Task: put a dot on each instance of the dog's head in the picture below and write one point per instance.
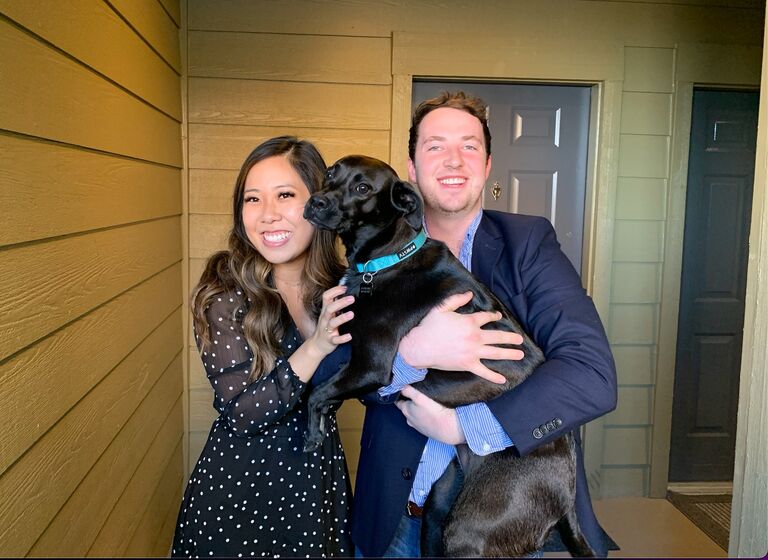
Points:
(363, 197)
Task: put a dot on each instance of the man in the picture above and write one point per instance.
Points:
(406, 447)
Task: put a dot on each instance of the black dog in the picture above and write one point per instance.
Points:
(397, 281)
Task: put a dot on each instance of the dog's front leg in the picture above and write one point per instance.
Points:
(354, 380)
(318, 405)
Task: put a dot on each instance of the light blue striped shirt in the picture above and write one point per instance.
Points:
(483, 432)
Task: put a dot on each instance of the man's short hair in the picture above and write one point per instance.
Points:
(456, 100)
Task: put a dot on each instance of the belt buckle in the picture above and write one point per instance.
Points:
(412, 509)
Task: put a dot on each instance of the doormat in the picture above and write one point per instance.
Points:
(709, 512)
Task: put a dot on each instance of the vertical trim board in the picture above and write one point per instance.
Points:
(670, 292)
(749, 513)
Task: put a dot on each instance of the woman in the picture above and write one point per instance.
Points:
(266, 313)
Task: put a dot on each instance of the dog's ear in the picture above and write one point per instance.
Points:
(408, 200)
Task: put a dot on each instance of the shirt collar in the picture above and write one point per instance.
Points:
(465, 252)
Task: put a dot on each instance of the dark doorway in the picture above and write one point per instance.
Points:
(713, 283)
(540, 138)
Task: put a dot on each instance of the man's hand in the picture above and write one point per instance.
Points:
(430, 418)
(455, 342)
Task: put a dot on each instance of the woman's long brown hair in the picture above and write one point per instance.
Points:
(242, 268)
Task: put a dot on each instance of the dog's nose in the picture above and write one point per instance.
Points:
(315, 206)
(318, 202)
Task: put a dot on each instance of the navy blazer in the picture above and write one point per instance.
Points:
(519, 259)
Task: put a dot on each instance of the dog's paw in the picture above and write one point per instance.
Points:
(311, 444)
(315, 433)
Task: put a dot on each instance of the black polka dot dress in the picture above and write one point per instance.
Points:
(254, 492)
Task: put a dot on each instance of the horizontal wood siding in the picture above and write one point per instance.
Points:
(150, 19)
(30, 394)
(218, 147)
(89, 270)
(315, 105)
(77, 190)
(91, 335)
(57, 463)
(351, 60)
(140, 70)
(104, 485)
(83, 109)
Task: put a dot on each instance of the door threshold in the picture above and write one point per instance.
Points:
(725, 487)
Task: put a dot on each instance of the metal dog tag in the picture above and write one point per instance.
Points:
(366, 288)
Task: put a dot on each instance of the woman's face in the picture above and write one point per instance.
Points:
(273, 211)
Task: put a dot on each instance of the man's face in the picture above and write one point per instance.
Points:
(450, 163)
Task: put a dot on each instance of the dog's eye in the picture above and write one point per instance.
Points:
(362, 188)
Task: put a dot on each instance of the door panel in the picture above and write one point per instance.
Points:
(718, 206)
(539, 152)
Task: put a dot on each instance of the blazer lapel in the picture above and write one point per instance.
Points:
(486, 252)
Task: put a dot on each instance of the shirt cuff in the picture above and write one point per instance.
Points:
(402, 374)
(483, 432)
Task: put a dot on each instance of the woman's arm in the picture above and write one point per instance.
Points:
(249, 408)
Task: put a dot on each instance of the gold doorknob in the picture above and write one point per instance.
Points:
(496, 191)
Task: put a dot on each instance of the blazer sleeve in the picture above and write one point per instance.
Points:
(577, 381)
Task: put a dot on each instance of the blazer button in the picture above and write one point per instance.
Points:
(406, 472)
(558, 422)
(537, 433)
(550, 426)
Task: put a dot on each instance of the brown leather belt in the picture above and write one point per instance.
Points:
(412, 510)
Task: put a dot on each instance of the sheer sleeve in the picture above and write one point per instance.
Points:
(248, 408)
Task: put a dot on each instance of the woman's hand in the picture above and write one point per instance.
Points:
(326, 336)
(456, 342)
(430, 417)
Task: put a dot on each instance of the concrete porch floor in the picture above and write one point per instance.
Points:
(651, 528)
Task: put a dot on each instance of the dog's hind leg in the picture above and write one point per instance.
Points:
(572, 537)
(437, 507)
(502, 511)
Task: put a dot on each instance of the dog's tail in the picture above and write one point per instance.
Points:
(573, 538)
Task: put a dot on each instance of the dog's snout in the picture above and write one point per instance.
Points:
(316, 208)
(318, 202)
